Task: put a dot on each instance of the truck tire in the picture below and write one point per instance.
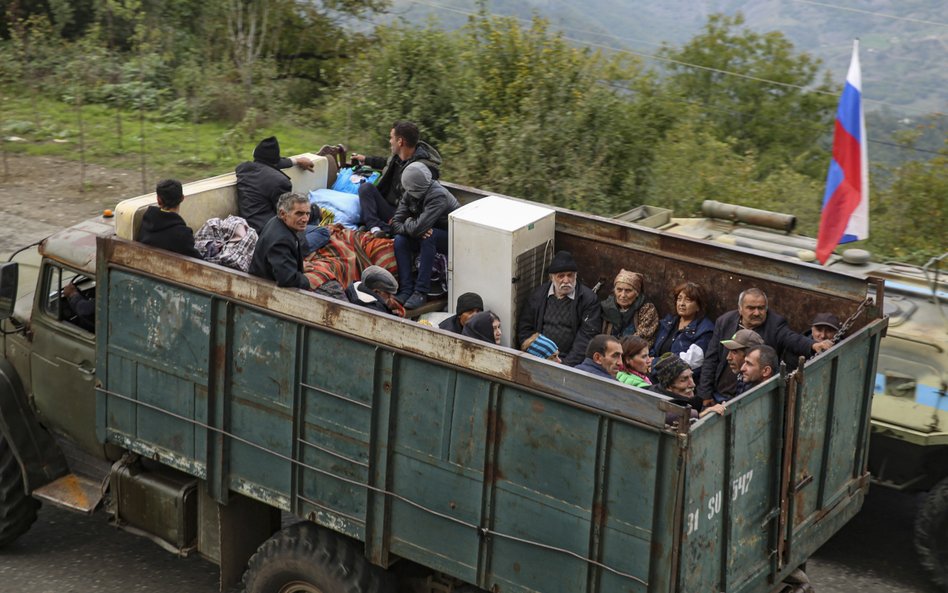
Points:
(17, 509)
(305, 558)
(931, 533)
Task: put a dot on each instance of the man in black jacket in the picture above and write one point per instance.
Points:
(279, 252)
(563, 310)
(752, 313)
(378, 202)
(163, 227)
(260, 182)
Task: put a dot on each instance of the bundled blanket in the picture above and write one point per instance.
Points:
(345, 256)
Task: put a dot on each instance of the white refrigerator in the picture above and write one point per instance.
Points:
(499, 248)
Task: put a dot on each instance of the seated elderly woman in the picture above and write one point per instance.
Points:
(626, 312)
(673, 378)
(484, 326)
(687, 331)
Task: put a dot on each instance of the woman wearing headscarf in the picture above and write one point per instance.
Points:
(484, 326)
(626, 312)
(687, 331)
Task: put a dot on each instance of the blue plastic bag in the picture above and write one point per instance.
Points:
(348, 180)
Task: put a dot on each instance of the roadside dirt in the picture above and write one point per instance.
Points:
(40, 195)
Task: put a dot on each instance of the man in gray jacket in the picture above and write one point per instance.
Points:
(420, 225)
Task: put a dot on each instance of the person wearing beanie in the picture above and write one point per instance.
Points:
(563, 310)
(420, 225)
(603, 356)
(626, 312)
(541, 346)
(260, 182)
(468, 304)
(674, 379)
(376, 290)
(379, 202)
(484, 326)
(163, 227)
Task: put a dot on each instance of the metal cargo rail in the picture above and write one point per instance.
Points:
(492, 466)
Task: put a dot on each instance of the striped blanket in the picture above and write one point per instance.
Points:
(346, 255)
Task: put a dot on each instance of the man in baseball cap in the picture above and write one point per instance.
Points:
(728, 387)
(824, 326)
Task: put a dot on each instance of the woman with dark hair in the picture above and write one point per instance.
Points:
(687, 332)
(636, 361)
(484, 326)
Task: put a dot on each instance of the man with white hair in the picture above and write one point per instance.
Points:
(420, 225)
(563, 310)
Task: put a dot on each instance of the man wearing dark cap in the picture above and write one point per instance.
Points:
(563, 310)
(824, 326)
(468, 305)
(260, 182)
(376, 290)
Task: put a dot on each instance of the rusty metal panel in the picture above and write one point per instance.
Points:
(796, 291)
(828, 470)
(730, 498)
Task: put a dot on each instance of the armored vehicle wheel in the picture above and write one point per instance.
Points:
(931, 533)
(305, 558)
(17, 509)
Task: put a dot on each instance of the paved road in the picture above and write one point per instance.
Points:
(69, 553)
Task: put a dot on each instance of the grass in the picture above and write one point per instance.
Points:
(182, 150)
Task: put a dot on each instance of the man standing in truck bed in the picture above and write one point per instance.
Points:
(378, 202)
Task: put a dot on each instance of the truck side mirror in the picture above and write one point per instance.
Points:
(9, 274)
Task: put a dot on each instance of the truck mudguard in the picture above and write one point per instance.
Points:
(36, 451)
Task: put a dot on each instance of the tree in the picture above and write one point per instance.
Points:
(908, 218)
(782, 121)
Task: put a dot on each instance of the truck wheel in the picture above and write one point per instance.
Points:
(931, 533)
(305, 558)
(17, 509)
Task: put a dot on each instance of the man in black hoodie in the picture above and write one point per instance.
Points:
(378, 202)
(260, 182)
(163, 227)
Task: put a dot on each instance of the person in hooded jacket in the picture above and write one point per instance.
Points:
(484, 326)
(163, 227)
(420, 225)
(261, 182)
(379, 202)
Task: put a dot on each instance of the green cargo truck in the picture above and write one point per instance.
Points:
(208, 407)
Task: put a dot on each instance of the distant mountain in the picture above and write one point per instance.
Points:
(904, 59)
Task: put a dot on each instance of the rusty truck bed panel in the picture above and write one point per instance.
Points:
(487, 464)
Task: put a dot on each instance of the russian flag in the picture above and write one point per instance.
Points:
(845, 215)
